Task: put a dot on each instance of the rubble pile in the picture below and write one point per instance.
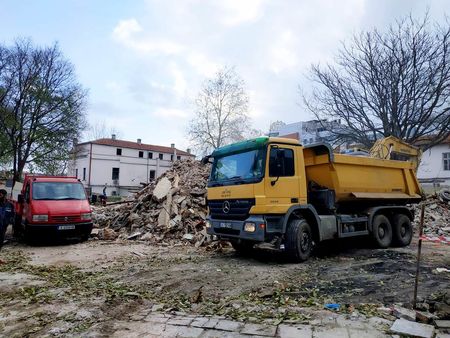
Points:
(171, 210)
(436, 218)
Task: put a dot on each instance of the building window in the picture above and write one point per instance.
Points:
(84, 174)
(152, 175)
(178, 157)
(114, 193)
(161, 156)
(171, 158)
(446, 160)
(281, 162)
(115, 173)
(118, 151)
(141, 154)
(76, 173)
(150, 155)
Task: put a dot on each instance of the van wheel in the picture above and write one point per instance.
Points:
(381, 231)
(242, 246)
(402, 230)
(299, 240)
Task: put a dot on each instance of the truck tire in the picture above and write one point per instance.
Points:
(299, 240)
(402, 231)
(381, 231)
(243, 247)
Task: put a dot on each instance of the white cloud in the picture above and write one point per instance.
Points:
(180, 83)
(240, 11)
(127, 33)
(202, 64)
(170, 113)
(283, 55)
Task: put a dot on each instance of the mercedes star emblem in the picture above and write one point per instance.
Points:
(66, 219)
(226, 207)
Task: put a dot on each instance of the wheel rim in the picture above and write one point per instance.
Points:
(304, 242)
(403, 230)
(382, 231)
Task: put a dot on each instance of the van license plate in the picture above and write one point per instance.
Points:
(66, 227)
(226, 225)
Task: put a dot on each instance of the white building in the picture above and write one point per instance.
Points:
(307, 132)
(122, 165)
(434, 167)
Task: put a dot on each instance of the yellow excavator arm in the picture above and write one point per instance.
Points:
(392, 148)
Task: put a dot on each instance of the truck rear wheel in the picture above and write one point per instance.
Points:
(242, 246)
(382, 231)
(402, 230)
(298, 240)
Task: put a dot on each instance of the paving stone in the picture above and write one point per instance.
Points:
(367, 333)
(337, 332)
(183, 321)
(190, 332)
(157, 318)
(348, 323)
(442, 324)
(228, 325)
(199, 321)
(221, 334)
(211, 323)
(406, 327)
(259, 329)
(289, 331)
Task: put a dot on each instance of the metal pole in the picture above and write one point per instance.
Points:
(419, 251)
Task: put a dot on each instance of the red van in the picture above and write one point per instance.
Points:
(53, 205)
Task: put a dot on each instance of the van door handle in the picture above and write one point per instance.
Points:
(294, 200)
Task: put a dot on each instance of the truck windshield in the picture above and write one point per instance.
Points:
(58, 191)
(245, 167)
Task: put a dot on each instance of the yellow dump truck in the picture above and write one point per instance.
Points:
(276, 191)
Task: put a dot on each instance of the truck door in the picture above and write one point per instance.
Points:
(282, 182)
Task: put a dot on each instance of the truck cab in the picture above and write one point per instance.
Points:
(274, 190)
(52, 205)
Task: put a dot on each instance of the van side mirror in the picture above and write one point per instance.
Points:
(20, 198)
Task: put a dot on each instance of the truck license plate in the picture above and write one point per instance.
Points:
(226, 225)
(66, 227)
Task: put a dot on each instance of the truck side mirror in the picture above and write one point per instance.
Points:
(20, 198)
(279, 155)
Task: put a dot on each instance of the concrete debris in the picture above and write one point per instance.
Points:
(437, 217)
(442, 324)
(401, 312)
(170, 211)
(408, 328)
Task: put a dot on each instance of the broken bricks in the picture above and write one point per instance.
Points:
(171, 210)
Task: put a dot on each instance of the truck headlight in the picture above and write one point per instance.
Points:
(208, 224)
(249, 227)
(86, 216)
(40, 218)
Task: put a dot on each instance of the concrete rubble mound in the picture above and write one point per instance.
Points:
(437, 217)
(169, 211)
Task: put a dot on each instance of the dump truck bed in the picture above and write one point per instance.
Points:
(357, 177)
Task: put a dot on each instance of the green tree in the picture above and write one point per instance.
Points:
(42, 105)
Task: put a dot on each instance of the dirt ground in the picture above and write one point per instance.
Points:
(67, 289)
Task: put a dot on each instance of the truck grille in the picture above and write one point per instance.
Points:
(65, 219)
(237, 208)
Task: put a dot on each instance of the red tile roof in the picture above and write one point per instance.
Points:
(135, 145)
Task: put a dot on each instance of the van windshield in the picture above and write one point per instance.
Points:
(244, 167)
(58, 191)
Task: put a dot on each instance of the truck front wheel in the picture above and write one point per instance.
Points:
(402, 230)
(381, 231)
(298, 240)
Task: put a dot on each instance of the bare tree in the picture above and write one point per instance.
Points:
(41, 104)
(221, 112)
(100, 130)
(388, 83)
(276, 125)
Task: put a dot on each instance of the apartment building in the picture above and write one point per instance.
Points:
(121, 165)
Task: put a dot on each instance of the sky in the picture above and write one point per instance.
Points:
(144, 61)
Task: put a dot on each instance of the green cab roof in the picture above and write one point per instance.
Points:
(238, 147)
